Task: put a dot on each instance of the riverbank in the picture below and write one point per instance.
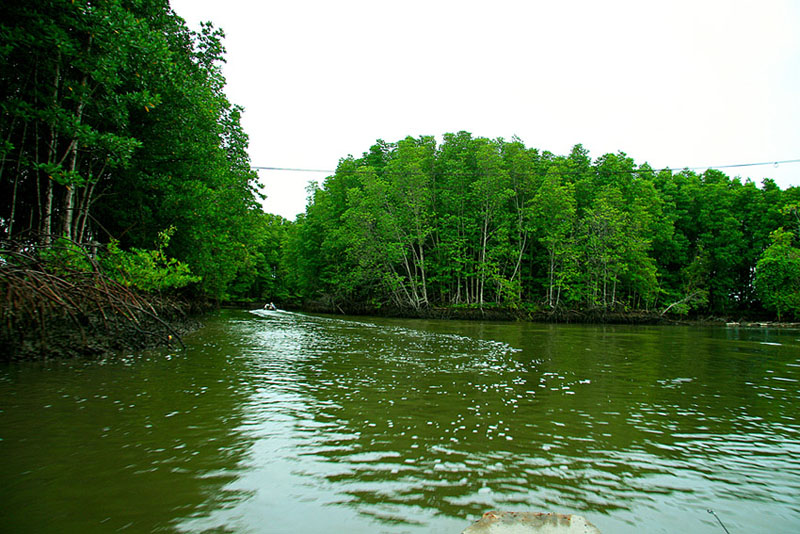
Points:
(538, 316)
(162, 322)
(56, 311)
(87, 326)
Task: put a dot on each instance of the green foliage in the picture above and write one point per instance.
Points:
(115, 125)
(477, 222)
(778, 275)
(555, 220)
(65, 255)
(148, 270)
(263, 272)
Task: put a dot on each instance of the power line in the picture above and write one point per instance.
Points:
(289, 169)
(677, 169)
(742, 165)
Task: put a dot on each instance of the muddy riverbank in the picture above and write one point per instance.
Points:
(537, 316)
(48, 311)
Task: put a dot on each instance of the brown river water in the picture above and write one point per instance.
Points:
(283, 422)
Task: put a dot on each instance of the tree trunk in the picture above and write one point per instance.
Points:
(517, 267)
(66, 227)
(482, 264)
(47, 217)
(422, 272)
(550, 281)
(83, 213)
(47, 223)
(614, 292)
(16, 181)
(69, 198)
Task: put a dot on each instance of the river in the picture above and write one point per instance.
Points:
(283, 422)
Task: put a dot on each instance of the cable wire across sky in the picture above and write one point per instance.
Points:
(731, 166)
(745, 164)
(288, 169)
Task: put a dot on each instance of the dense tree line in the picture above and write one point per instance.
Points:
(488, 222)
(116, 135)
(115, 129)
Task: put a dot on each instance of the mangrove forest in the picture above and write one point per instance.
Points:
(476, 222)
(121, 155)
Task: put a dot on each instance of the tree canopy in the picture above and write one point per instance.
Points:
(489, 222)
(115, 126)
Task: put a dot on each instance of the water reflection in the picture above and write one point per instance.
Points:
(404, 425)
(128, 443)
(281, 422)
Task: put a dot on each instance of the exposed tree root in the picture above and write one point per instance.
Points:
(48, 309)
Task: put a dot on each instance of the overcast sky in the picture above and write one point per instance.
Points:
(675, 84)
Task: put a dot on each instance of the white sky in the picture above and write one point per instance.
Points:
(672, 83)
